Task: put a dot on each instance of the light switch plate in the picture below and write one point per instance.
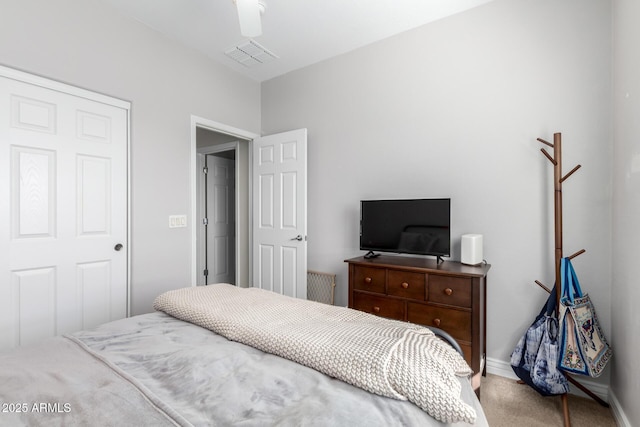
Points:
(177, 221)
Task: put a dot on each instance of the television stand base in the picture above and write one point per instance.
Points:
(439, 259)
(370, 255)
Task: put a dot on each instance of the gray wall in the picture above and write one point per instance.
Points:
(453, 109)
(625, 379)
(87, 44)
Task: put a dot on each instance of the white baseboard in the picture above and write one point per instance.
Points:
(500, 368)
(503, 369)
(618, 413)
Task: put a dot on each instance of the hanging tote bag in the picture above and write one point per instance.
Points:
(535, 358)
(583, 347)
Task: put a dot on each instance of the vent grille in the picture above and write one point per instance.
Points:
(321, 286)
(250, 54)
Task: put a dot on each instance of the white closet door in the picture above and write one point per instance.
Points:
(63, 218)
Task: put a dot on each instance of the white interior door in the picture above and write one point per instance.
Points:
(221, 213)
(63, 212)
(280, 213)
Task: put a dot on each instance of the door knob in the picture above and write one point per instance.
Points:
(118, 247)
(298, 238)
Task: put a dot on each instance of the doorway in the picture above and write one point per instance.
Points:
(256, 205)
(224, 258)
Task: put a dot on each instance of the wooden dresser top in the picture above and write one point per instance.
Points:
(422, 264)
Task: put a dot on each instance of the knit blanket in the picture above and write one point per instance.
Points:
(385, 357)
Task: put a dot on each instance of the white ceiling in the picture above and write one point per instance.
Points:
(299, 32)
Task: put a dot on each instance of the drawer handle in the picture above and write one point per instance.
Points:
(436, 322)
(448, 291)
(405, 285)
(376, 309)
(368, 280)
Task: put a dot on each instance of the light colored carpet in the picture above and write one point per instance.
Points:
(507, 404)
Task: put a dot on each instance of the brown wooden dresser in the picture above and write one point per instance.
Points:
(449, 295)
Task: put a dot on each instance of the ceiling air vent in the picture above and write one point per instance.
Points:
(250, 54)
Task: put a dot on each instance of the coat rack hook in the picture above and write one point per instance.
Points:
(580, 252)
(543, 286)
(548, 156)
(545, 142)
(571, 172)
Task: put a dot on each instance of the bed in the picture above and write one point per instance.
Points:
(213, 356)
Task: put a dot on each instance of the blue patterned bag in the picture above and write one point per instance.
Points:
(583, 347)
(535, 358)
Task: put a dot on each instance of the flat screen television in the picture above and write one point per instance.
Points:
(411, 226)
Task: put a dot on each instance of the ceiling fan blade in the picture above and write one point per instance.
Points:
(249, 17)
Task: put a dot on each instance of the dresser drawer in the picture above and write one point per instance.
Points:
(450, 290)
(456, 322)
(406, 285)
(379, 305)
(369, 279)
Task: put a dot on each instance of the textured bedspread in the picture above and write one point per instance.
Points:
(155, 370)
(389, 358)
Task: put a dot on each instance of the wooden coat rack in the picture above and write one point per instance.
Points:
(558, 179)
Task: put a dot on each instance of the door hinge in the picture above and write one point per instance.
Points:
(205, 221)
(205, 170)
(206, 273)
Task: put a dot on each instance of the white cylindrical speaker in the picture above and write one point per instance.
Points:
(471, 249)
